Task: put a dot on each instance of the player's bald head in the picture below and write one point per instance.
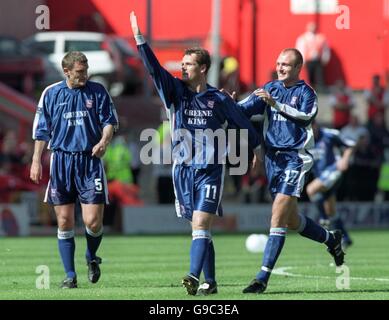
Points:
(298, 57)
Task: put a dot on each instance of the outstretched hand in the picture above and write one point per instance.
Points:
(265, 96)
(134, 24)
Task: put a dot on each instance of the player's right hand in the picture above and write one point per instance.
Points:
(265, 96)
(36, 172)
(134, 24)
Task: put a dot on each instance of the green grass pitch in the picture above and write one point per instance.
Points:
(151, 267)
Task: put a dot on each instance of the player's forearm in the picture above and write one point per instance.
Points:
(347, 154)
(163, 80)
(295, 114)
(107, 134)
(38, 150)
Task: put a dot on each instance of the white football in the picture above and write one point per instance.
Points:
(256, 243)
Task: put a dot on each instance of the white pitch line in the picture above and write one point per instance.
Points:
(282, 272)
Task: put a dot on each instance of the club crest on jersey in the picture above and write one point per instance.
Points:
(211, 104)
(293, 101)
(89, 103)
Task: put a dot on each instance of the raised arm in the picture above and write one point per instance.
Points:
(164, 82)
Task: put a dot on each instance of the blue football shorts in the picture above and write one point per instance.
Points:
(198, 190)
(286, 171)
(76, 175)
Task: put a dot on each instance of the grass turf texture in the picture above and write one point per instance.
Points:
(151, 267)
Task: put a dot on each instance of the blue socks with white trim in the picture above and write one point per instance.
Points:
(209, 264)
(93, 241)
(67, 246)
(273, 248)
(311, 230)
(198, 251)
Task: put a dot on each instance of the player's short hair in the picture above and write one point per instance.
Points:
(72, 57)
(203, 56)
(297, 54)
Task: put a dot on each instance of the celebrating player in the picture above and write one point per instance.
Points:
(77, 118)
(289, 106)
(194, 107)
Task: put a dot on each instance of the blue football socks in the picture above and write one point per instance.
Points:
(311, 230)
(273, 248)
(198, 251)
(93, 241)
(67, 246)
(337, 223)
(209, 264)
(320, 208)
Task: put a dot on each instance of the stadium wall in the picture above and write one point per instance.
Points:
(248, 218)
(254, 31)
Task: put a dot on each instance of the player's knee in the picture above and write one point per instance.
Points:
(65, 223)
(201, 221)
(93, 224)
(295, 221)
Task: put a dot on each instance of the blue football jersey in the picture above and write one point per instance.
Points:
(327, 145)
(196, 118)
(288, 124)
(72, 120)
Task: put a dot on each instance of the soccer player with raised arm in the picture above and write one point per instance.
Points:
(289, 106)
(328, 170)
(194, 108)
(77, 118)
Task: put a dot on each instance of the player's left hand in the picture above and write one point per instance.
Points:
(265, 96)
(99, 150)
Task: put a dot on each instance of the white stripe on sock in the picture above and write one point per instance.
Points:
(62, 235)
(266, 269)
(92, 234)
